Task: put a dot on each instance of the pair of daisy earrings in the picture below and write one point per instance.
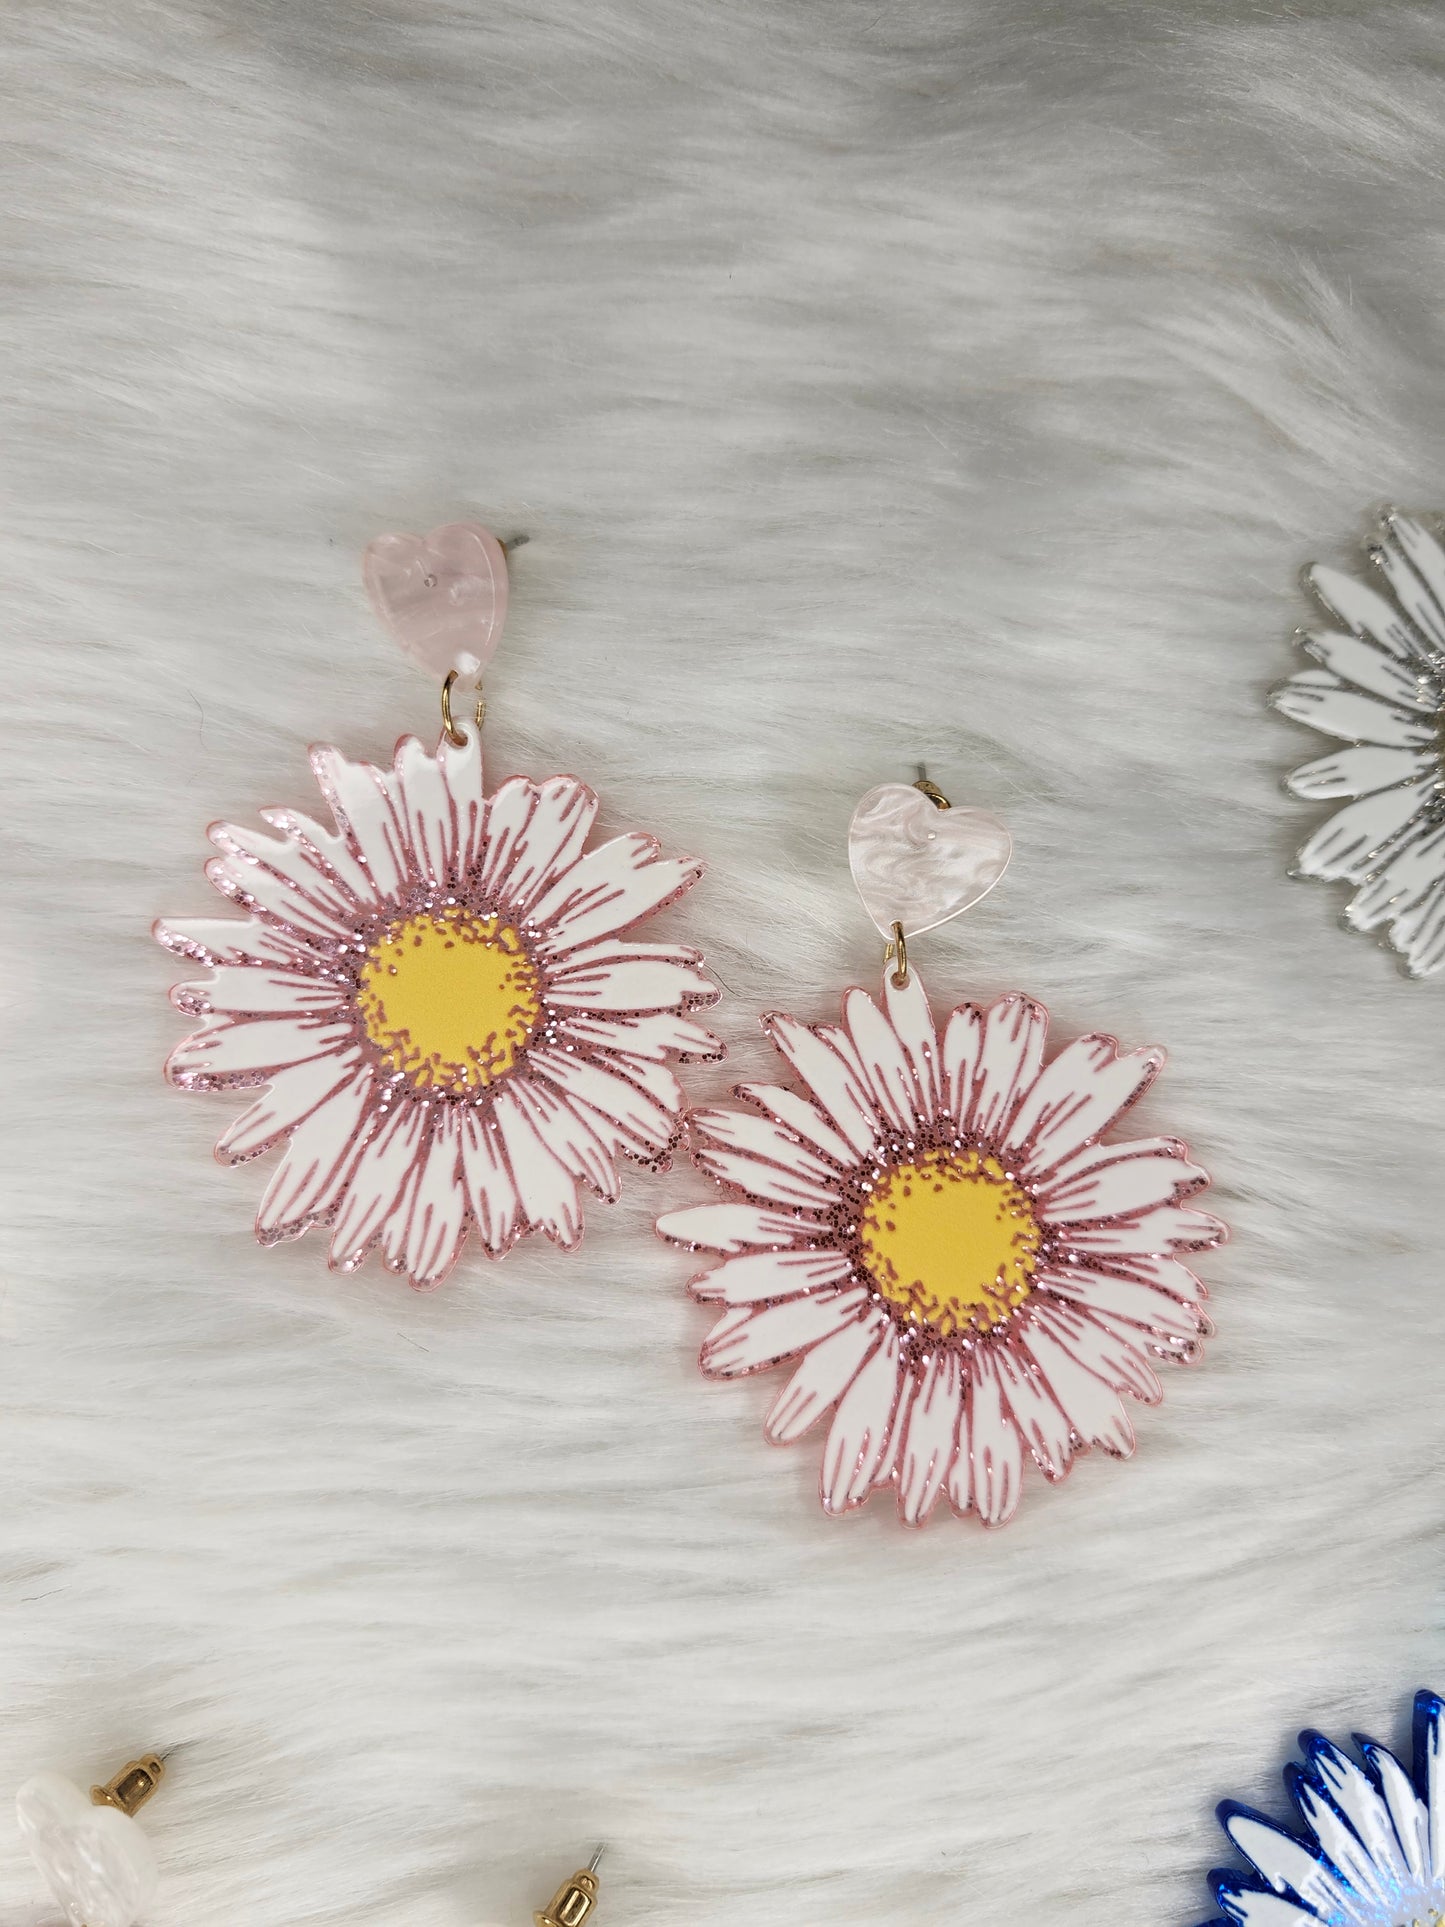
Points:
(101, 1868)
(451, 1029)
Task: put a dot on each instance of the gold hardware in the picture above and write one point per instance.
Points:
(899, 949)
(132, 1786)
(574, 1899)
(454, 735)
(934, 794)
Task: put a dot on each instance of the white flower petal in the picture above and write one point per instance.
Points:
(291, 1095)
(908, 1012)
(362, 805)
(1350, 843)
(1286, 1864)
(214, 941)
(727, 1227)
(552, 843)
(962, 1051)
(1167, 1319)
(932, 1441)
(995, 1450)
(491, 1193)
(1076, 1099)
(1157, 1233)
(1364, 610)
(629, 977)
(1041, 1424)
(548, 1193)
(823, 1375)
(1359, 770)
(644, 1123)
(1366, 666)
(1106, 1353)
(376, 1181)
(751, 1338)
(839, 1089)
(581, 1149)
(1247, 1907)
(880, 1055)
(424, 804)
(656, 1038)
(246, 990)
(509, 811)
(803, 1118)
(609, 890)
(1419, 934)
(423, 1234)
(1430, 1745)
(461, 767)
(229, 1053)
(1011, 1057)
(1407, 1813)
(855, 1458)
(331, 855)
(1411, 563)
(1091, 1410)
(272, 876)
(311, 1176)
(1358, 719)
(1350, 1820)
(761, 1138)
(761, 1276)
(1408, 874)
(1114, 1180)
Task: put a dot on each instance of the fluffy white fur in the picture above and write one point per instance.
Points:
(957, 381)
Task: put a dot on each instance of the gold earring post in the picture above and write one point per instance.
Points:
(575, 1898)
(132, 1786)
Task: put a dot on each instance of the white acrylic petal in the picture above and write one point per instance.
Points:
(239, 990)
(425, 806)
(754, 1338)
(996, 1457)
(1358, 719)
(656, 1038)
(761, 1276)
(331, 855)
(461, 767)
(1364, 665)
(1011, 1058)
(362, 805)
(1116, 1180)
(1158, 1312)
(1425, 604)
(1351, 842)
(1108, 1354)
(274, 877)
(291, 1095)
(1430, 1742)
(214, 941)
(880, 1055)
(1407, 1812)
(645, 1123)
(1076, 1099)
(1091, 1410)
(1419, 934)
(547, 1192)
(962, 1054)
(227, 1053)
(609, 890)
(423, 1234)
(1160, 1232)
(1351, 1821)
(856, 1455)
(1041, 1424)
(764, 1180)
(803, 1118)
(932, 1442)
(581, 1142)
(378, 1179)
(552, 842)
(759, 1137)
(309, 1180)
(491, 1193)
(823, 1375)
(908, 1012)
(628, 977)
(839, 1089)
(727, 1227)
(1407, 875)
(1358, 770)
(1287, 1865)
(1364, 610)
(509, 811)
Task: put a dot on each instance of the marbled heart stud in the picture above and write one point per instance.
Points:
(918, 865)
(443, 596)
(96, 1861)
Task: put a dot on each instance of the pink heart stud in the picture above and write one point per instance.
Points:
(918, 865)
(443, 596)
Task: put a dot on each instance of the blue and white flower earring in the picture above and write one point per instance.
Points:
(1368, 1851)
(1379, 687)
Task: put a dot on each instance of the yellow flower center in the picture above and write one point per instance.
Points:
(450, 998)
(951, 1240)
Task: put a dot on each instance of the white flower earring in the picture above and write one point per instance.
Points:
(97, 1862)
(931, 1233)
(1380, 689)
(439, 1006)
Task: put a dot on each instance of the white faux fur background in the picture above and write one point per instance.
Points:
(876, 383)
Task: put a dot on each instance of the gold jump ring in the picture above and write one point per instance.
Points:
(899, 949)
(455, 736)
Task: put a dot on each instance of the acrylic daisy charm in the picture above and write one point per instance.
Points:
(439, 1004)
(1380, 689)
(1368, 1849)
(933, 1228)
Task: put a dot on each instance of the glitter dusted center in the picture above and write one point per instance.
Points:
(450, 998)
(951, 1240)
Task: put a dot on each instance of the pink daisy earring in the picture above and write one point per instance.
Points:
(932, 1234)
(438, 1005)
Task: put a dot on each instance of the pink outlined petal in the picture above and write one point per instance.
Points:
(932, 1441)
(308, 1183)
(233, 1054)
(840, 1091)
(856, 1455)
(291, 1095)
(800, 1116)
(1090, 1408)
(823, 1375)
(1080, 1095)
(1040, 1422)
(996, 1457)
(880, 1055)
(609, 890)
(749, 1338)
(760, 1138)
(759, 1277)
(1117, 1180)
(906, 1007)
(547, 1190)
(732, 1227)
(241, 990)
(1172, 1321)
(491, 1193)
(375, 1183)
(1010, 1058)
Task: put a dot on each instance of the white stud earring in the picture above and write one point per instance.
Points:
(97, 1862)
